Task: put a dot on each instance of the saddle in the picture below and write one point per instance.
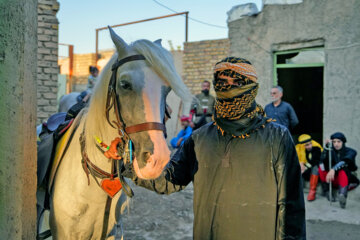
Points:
(53, 139)
(49, 135)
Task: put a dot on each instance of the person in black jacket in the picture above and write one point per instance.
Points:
(244, 167)
(342, 164)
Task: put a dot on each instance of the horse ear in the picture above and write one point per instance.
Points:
(120, 44)
(158, 42)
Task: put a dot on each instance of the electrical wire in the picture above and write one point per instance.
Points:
(250, 40)
(343, 47)
(195, 20)
(212, 25)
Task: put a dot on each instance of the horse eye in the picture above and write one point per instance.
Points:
(125, 85)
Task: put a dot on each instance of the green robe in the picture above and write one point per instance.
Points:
(243, 188)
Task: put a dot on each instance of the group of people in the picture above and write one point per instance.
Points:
(314, 159)
(334, 165)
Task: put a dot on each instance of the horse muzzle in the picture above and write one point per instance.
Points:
(150, 162)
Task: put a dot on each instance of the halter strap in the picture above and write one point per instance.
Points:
(127, 59)
(145, 127)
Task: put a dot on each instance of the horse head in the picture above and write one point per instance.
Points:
(141, 87)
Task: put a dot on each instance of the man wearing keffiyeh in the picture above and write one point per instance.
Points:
(235, 84)
(244, 167)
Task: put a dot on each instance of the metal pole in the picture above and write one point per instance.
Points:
(71, 65)
(140, 21)
(329, 148)
(96, 46)
(144, 20)
(186, 26)
(330, 183)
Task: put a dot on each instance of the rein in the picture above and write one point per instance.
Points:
(95, 171)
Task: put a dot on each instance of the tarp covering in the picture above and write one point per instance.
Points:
(239, 11)
(270, 2)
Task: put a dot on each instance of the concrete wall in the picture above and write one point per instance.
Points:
(48, 70)
(334, 24)
(18, 48)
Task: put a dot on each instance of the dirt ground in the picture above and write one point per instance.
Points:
(159, 217)
(162, 217)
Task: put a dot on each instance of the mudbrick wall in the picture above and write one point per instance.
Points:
(47, 71)
(199, 59)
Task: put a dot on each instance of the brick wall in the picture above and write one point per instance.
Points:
(47, 73)
(199, 59)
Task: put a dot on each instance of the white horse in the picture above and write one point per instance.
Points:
(141, 85)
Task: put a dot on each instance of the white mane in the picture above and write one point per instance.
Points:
(159, 59)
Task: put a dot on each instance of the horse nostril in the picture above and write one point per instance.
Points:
(146, 156)
(143, 158)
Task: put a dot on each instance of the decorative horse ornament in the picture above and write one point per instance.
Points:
(127, 108)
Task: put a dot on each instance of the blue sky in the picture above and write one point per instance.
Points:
(79, 19)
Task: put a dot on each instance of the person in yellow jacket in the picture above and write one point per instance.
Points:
(309, 153)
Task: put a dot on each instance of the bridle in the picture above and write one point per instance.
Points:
(126, 143)
(124, 131)
(113, 100)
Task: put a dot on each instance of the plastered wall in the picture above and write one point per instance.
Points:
(18, 48)
(333, 24)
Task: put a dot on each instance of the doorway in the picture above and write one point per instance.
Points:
(300, 73)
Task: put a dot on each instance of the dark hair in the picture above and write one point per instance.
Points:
(93, 69)
(206, 81)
